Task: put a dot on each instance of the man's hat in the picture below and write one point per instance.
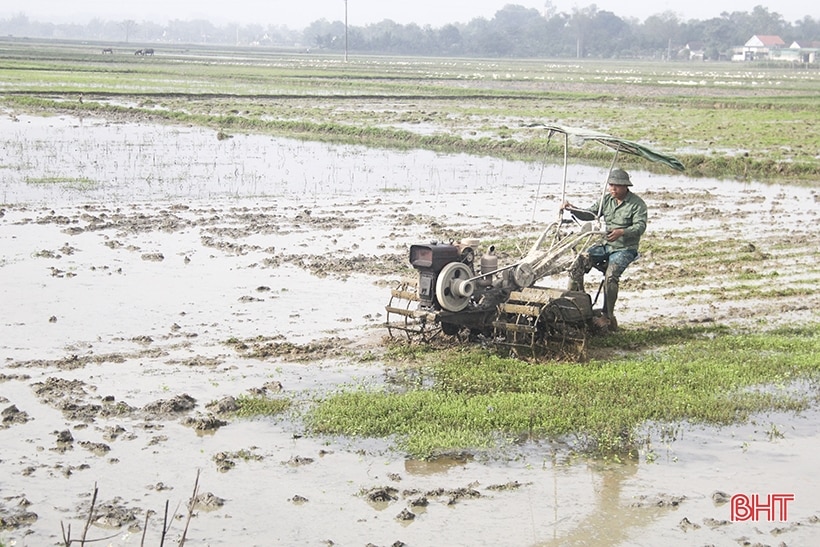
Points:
(619, 177)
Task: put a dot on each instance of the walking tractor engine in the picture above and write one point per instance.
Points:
(445, 275)
(496, 305)
(448, 294)
(504, 306)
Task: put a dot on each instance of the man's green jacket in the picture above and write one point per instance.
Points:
(630, 215)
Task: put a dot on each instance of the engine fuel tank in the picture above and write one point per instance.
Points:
(434, 256)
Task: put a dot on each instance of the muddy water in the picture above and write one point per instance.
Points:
(133, 253)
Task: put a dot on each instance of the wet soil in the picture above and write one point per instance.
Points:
(146, 287)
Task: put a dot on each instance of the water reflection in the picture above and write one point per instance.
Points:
(607, 522)
(433, 466)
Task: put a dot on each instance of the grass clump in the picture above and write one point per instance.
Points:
(477, 399)
(70, 182)
(260, 406)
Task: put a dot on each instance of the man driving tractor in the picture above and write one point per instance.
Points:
(625, 216)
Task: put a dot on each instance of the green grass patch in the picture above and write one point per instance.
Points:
(477, 399)
(260, 406)
(71, 182)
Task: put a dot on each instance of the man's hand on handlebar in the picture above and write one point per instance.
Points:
(614, 234)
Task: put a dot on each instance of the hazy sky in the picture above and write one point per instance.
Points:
(299, 13)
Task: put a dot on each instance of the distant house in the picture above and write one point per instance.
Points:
(759, 47)
(694, 51)
(806, 50)
(804, 44)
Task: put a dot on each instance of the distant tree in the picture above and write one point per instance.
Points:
(766, 22)
(383, 36)
(558, 39)
(743, 25)
(129, 25)
(581, 25)
(325, 35)
(476, 36)
(550, 10)
(607, 35)
(151, 32)
(718, 36)
(450, 40)
(659, 30)
(520, 29)
(514, 31)
(807, 29)
(411, 38)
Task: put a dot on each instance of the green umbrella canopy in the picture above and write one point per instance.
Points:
(580, 136)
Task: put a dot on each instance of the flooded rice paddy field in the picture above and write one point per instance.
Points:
(134, 253)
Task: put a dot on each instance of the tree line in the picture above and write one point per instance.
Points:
(514, 31)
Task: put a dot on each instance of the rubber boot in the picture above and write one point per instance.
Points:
(610, 297)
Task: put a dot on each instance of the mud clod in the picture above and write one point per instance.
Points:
(406, 515)
(296, 461)
(100, 449)
(17, 520)
(225, 405)
(686, 525)
(720, 498)
(178, 404)
(114, 514)
(208, 502)
(64, 436)
(12, 415)
(204, 423)
(382, 495)
(512, 485)
(660, 500)
(419, 502)
(453, 495)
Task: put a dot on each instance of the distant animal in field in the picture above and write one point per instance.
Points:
(139, 52)
(148, 51)
(108, 50)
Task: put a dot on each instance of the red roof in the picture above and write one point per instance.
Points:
(770, 40)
